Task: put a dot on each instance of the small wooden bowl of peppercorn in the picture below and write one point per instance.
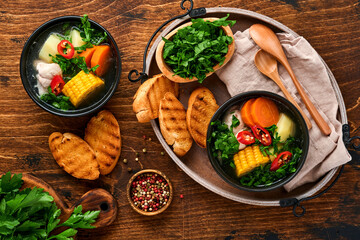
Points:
(171, 54)
(149, 192)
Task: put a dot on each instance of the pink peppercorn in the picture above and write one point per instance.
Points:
(150, 192)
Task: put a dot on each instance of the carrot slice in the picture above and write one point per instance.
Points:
(102, 57)
(246, 114)
(264, 112)
(87, 54)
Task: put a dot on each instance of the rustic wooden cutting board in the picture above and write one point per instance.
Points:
(95, 199)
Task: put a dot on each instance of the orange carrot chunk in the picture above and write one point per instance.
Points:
(102, 57)
(264, 112)
(246, 114)
(87, 54)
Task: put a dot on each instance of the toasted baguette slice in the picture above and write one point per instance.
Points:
(74, 155)
(172, 120)
(147, 98)
(201, 107)
(102, 133)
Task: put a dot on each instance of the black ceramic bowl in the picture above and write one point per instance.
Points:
(28, 71)
(284, 105)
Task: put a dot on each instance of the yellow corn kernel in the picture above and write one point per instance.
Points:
(248, 159)
(80, 86)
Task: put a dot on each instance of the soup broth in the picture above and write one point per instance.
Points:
(33, 57)
(229, 169)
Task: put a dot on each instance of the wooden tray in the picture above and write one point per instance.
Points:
(195, 163)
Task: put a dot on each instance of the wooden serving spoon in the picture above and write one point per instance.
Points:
(267, 64)
(268, 41)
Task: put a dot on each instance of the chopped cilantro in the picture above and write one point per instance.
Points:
(61, 102)
(91, 35)
(262, 176)
(225, 144)
(234, 122)
(71, 67)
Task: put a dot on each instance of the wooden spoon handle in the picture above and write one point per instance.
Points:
(324, 127)
(291, 99)
(98, 199)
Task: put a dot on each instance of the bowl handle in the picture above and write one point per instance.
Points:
(142, 76)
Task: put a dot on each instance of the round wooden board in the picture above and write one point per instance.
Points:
(195, 163)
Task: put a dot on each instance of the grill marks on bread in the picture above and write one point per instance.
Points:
(201, 107)
(102, 133)
(98, 154)
(148, 96)
(74, 155)
(172, 120)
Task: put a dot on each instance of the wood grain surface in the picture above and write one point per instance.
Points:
(332, 27)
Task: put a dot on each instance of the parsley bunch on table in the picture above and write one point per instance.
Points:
(31, 214)
(194, 50)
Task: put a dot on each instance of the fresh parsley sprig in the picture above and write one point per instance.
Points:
(89, 34)
(33, 214)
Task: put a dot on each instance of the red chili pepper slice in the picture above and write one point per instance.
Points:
(280, 160)
(262, 135)
(57, 84)
(245, 137)
(66, 49)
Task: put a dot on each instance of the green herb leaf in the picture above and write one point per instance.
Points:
(32, 213)
(10, 184)
(91, 35)
(234, 122)
(223, 141)
(194, 50)
(60, 102)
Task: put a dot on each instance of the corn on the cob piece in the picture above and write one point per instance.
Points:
(80, 86)
(248, 159)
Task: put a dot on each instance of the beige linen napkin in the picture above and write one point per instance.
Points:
(241, 75)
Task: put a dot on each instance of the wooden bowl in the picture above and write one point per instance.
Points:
(128, 188)
(168, 72)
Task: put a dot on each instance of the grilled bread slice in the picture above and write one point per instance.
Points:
(172, 120)
(147, 98)
(201, 107)
(102, 133)
(74, 155)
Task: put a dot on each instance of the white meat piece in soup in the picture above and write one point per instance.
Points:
(45, 82)
(234, 111)
(48, 70)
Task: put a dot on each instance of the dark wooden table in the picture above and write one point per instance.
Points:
(332, 27)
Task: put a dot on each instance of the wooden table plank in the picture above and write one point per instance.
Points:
(332, 27)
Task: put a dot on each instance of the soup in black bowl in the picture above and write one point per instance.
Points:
(70, 66)
(257, 141)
